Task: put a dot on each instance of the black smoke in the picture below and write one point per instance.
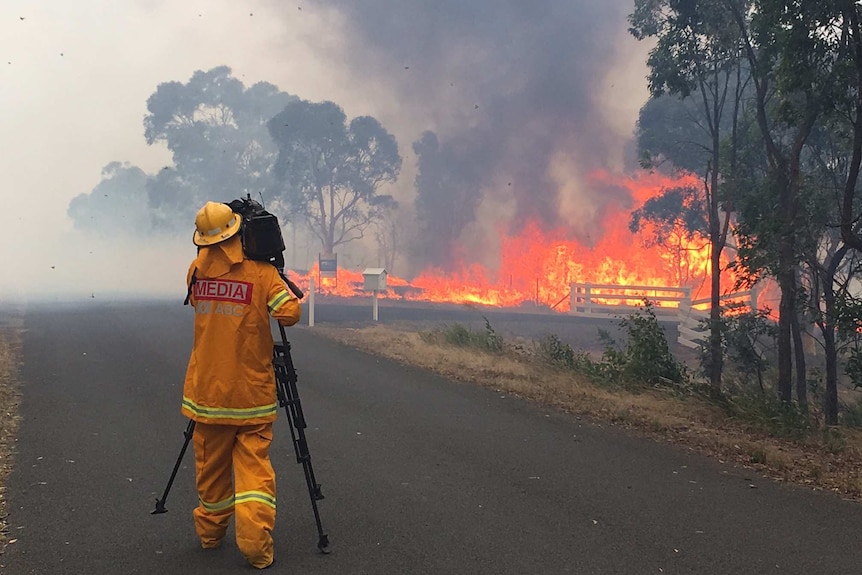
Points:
(507, 84)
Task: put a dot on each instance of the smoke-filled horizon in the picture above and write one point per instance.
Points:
(519, 97)
(515, 106)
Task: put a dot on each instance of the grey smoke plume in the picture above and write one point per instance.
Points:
(512, 89)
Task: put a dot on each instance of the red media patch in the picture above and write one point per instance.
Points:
(223, 290)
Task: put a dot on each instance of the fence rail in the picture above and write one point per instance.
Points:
(608, 300)
(671, 304)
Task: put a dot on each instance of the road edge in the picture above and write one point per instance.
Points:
(11, 329)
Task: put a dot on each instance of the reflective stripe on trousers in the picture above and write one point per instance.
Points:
(229, 412)
(224, 454)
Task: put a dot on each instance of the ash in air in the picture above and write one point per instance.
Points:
(513, 93)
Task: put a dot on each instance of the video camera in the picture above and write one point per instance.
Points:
(261, 237)
(260, 232)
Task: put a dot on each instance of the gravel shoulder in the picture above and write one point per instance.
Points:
(10, 362)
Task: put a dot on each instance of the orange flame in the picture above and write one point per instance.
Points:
(539, 266)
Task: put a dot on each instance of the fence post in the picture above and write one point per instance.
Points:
(685, 301)
(683, 313)
(311, 301)
(588, 302)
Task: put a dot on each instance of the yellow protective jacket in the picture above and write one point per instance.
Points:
(230, 378)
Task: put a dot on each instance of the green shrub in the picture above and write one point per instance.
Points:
(747, 343)
(647, 356)
(645, 360)
(767, 412)
(852, 416)
(853, 367)
(557, 353)
(834, 441)
(459, 336)
(493, 341)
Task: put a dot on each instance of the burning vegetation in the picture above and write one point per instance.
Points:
(538, 266)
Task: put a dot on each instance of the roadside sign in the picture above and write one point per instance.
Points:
(328, 265)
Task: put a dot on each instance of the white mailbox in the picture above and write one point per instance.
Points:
(375, 279)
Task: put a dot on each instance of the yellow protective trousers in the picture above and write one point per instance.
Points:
(234, 476)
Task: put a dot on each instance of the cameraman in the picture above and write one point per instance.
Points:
(230, 388)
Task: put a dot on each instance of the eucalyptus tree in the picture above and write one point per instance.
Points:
(697, 57)
(216, 130)
(330, 172)
(804, 66)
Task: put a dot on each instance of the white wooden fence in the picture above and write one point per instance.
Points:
(610, 301)
(670, 304)
(692, 329)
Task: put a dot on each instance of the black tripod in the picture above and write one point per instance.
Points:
(288, 397)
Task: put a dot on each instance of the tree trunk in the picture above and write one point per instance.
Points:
(787, 308)
(830, 402)
(717, 245)
(799, 355)
(848, 214)
(715, 355)
(329, 237)
(827, 327)
(785, 172)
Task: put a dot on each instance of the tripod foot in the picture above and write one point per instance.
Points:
(323, 544)
(160, 508)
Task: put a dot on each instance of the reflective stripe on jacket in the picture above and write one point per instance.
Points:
(230, 378)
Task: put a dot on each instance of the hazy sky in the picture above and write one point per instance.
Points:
(75, 76)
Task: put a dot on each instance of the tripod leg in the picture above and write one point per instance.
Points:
(288, 397)
(160, 503)
(303, 456)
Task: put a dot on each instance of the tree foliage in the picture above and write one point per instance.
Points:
(215, 128)
(675, 222)
(792, 181)
(696, 58)
(329, 172)
(679, 208)
(228, 140)
(116, 205)
(671, 135)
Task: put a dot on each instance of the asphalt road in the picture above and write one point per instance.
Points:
(421, 474)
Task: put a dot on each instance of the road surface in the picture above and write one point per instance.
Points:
(421, 474)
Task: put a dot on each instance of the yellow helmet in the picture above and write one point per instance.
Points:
(215, 223)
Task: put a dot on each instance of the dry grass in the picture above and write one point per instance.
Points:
(10, 357)
(831, 462)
